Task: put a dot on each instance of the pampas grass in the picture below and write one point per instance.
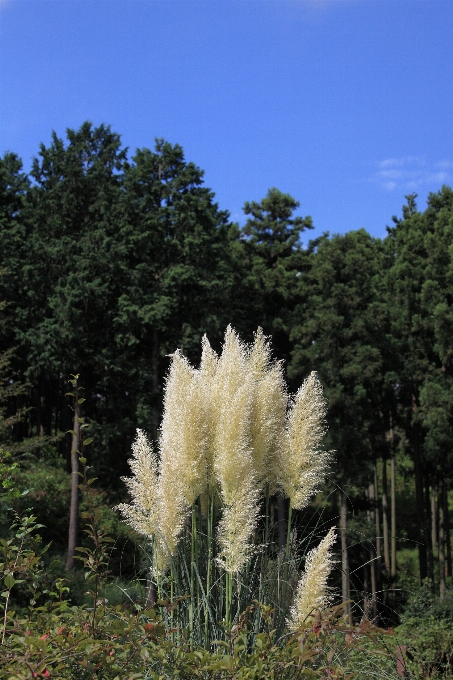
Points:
(312, 591)
(231, 436)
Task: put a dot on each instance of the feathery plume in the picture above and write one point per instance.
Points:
(184, 432)
(235, 528)
(303, 463)
(206, 377)
(141, 513)
(225, 431)
(268, 409)
(233, 462)
(183, 448)
(312, 591)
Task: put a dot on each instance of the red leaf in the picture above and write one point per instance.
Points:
(400, 664)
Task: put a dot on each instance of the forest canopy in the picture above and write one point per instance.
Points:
(109, 263)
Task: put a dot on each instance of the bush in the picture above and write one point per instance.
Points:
(53, 639)
(426, 634)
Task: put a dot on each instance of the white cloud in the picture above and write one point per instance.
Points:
(409, 173)
(446, 165)
(400, 162)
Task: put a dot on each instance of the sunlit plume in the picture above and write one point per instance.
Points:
(312, 591)
(303, 463)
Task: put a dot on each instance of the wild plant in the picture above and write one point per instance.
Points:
(231, 438)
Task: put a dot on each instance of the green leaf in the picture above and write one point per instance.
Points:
(80, 401)
(9, 581)
(83, 460)
(87, 441)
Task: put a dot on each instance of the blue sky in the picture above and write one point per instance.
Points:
(345, 104)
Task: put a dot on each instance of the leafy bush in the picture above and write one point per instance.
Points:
(426, 634)
(52, 638)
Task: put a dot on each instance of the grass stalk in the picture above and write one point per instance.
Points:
(210, 523)
(287, 554)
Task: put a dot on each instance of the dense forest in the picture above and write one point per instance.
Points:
(110, 262)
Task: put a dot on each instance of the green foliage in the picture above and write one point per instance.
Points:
(107, 276)
(8, 491)
(342, 330)
(108, 264)
(425, 636)
(425, 604)
(52, 638)
(269, 265)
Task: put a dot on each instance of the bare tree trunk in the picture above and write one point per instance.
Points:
(74, 508)
(385, 516)
(433, 516)
(345, 587)
(373, 561)
(393, 520)
(378, 534)
(366, 584)
(441, 538)
(447, 529)
(428, 529)
(421, 524)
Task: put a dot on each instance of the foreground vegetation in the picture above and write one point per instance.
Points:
(107, 266)
(46, 634)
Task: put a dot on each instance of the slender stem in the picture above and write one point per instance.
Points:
(172, 580)
(287, 552)
(228, 592)
(192, 574)
(266, 531)
(156, 570)
(288, 532)
(208, 571)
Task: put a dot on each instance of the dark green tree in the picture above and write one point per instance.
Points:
(420, 283)
(175, 270)
(342, 332)
(270, 259)
(121, 263)
(420, 295)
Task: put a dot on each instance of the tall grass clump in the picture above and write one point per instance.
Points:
(231, 438)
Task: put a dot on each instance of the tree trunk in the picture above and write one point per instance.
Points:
(434, 516)
(422, 547)
(74, 509)
(366, 584)
(385, 517)
(378, 534)
(441, 539)
(373, 561)
(447, 529)
(393, 520)
(345, 587)
(428, 529)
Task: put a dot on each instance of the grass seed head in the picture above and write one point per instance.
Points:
(312, 591)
